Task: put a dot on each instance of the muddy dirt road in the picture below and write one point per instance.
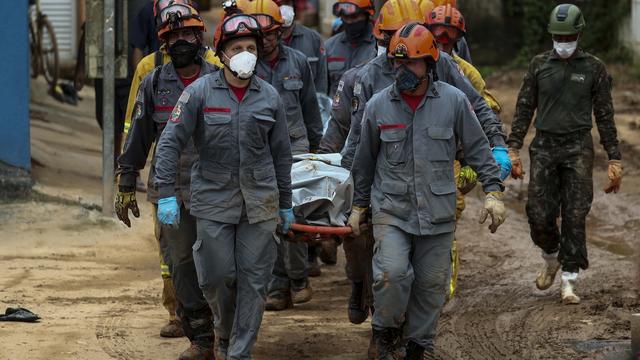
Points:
(96, 284)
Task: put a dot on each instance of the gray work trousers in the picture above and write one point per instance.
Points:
(291, 264)
(234, 264)
(410, 281)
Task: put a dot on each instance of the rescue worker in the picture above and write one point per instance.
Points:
(241, 182)
(460, 47)
(173, 328)
(355, 45)
(379, 73)
(563, 86)
(181, 31)
(289, 72)
(305, 40)
(404, 168)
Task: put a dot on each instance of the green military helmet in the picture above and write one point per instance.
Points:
(566, 19)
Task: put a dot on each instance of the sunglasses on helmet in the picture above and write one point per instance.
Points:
(346, 9)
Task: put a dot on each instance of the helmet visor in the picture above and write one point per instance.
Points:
(266, 21)
(345, 9)
(240, 23)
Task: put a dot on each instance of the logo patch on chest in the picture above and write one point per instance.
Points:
(578, 77)
(164, 91)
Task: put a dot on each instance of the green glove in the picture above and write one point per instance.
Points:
(125, 200)
(467, 179)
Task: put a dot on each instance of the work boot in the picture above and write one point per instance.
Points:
(329, 252)
(279, 301)
(197, 352)
(414, 351)
(173, 329)
(357, 314)
(301, 291)
(386, 342)
(568, 282)
(314, 267)
(548, 273)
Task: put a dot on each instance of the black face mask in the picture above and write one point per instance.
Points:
(356, 30)
(406, 80)
(183, 53)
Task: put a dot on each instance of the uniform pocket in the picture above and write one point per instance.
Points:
(441, 146)
(215, 179)
(393, 145)
(394, 200)
(260, 128)
(292, 84)
(443, 203)
(218, 130)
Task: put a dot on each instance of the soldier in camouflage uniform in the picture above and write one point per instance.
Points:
(564, 85)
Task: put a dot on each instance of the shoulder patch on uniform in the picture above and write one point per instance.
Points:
(336, 99)
(340, 86)
(137, 112)
(140, 96)
(357, 88)
(184, 98)
(176, 114)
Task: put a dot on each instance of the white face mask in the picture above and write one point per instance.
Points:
(565, 50)
(381, 50)
(288, 14)
(243, 64)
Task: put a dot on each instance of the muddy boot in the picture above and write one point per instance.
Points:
(357, 314)
(173, 329)
(198, 326)
(301, 291)
(279, 301)
(568, 282)
(386, 342)
(329, 252)
(414, 351)
(197, 352)
(548, 273)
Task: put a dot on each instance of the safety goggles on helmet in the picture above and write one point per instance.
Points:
(159, 5)
(444, 31)
(346, 9)
(176, 13)
(240, 23)
(266, 21)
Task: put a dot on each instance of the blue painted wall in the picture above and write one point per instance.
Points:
(14, 86)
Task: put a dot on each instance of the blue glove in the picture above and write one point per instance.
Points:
(501, 154)
(168, 211)
(286, 219)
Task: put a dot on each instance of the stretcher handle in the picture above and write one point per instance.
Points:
(322, 230)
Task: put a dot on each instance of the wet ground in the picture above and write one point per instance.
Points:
(96, 284)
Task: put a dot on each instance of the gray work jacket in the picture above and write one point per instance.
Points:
(404, 164)
(243, 147)
(342, 55)
(309, 42)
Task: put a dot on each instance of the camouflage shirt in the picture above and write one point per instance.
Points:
(565, 93)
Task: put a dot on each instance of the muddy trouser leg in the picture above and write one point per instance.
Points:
(296, 255)
(168, 292)
(543, 204)
(392, 276)
(192, 306)
(431, 262)
(358, 251)
(240, 257)
(279, 279)
(576, 172)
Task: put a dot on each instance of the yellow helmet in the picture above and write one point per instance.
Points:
(426, 7)
(266, 11)
(453, 3)
(394, 14)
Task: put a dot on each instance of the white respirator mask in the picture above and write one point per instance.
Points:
(242, 65)
(565, 49)
(381, 50)
(288, 14)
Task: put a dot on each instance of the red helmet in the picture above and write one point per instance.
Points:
(413, 41)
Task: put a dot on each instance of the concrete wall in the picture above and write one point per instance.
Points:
(14, 92)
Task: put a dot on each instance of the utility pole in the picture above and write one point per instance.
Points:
(108, 93)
